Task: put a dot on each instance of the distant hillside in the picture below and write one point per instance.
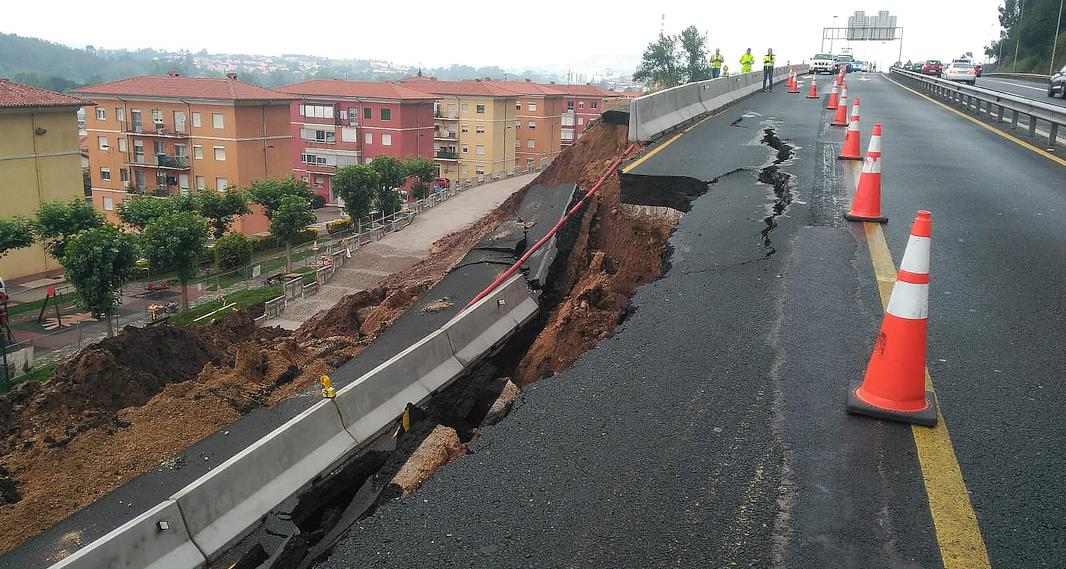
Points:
(58, 67)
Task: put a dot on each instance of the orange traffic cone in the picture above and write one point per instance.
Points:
(841, 116)
(866, 206)
(875, 142)
(813, 92)
(833, 97)
(852, 140)
(894, 384)
(794, 87)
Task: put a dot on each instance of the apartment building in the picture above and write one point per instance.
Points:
(336, 123)
(475, 126)
(40, 160)
(583, 104)
(166, 135)
(538, 122)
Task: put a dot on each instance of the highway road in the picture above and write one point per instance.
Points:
(1027, 89)
(710, 430)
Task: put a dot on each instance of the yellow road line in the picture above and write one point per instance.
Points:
(662, 146)
(957, 531)
(1013, 139)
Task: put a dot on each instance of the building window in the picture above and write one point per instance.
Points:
(479, 128)
(320, 182)
(120, 114)
(124, 175)
(101, 114)
(196, 120)
(348, 134)
(517, 143)
(532, 106)
(179, 149)
(530, 163)
(101, 141)
(580, 121)
(479, 150)
(220, 153)
(368, 113)
(518, 105)
(315, 160)
(197, 152)
(594, 104)
(157, 116)
(518, 124)
(570, 105)
(159, 147)
(466, 149)
(319, 135)
(531, 143)
(386, 140)
(386, 114)
(479, 170)
(480, 109)
(105, 174)
(368, 138)
(532, 125)
(317, 111)
(109, 204)
(466, 107)
(581, 104)
(221, 184)
(122, 145)
(216, 120)
(464, 128)
(353, 115)
(567, 134)
(201, 182)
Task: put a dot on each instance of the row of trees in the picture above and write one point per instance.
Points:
(365, 187)
(671, 60)
(1027, 36)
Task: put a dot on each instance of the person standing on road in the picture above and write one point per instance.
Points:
(746, 61)
(768, 70)
(716, 63)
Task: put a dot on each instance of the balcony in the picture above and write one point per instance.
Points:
(446, 116)
(446, 135)
(446, 155)
(164, 162)
(155, 130)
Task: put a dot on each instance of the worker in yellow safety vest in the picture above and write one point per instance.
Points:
(768, 70)
(746, 61)
(716, 64)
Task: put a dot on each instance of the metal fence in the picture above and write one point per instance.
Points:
(1041, 119)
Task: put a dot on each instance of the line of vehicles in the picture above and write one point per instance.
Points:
(830, 63)
(964, 69)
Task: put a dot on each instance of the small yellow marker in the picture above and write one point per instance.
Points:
(327, 387)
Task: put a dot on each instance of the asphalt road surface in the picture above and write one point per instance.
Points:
(1027, 89)
(710, 430)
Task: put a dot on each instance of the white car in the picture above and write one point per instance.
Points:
(960, 71)
(822, 63)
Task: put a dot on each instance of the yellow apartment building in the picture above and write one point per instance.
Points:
(167, 135)
(475, 127)
(40, 160)
(538, 122)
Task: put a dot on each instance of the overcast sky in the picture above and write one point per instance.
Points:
(552, 35)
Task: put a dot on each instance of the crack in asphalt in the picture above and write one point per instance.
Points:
(779, 180)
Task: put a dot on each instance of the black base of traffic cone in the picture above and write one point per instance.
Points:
(842, 157)
(850, 217)
(925, 417)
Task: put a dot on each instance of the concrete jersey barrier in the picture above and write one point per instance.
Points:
(654, 114)
(478, 330)
(157, 539)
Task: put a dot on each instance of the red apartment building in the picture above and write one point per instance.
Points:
(337, 123)
(582, 104)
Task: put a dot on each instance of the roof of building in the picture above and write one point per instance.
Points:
(18, 96)
(583, 90)
(476, 87)
(175, 86)
(528, 87)
(357, 89)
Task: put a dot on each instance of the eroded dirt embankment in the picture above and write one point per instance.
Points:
(128, 404)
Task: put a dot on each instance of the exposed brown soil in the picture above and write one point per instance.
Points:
(128, 404)
(617, 249)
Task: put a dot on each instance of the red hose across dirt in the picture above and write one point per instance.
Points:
(511, 270)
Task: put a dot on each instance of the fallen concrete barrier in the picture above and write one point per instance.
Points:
(157, 539)
(478, 330)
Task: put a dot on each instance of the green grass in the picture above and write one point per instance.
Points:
(41, 373)
(35, 306)
(269, 267)
(242, 299)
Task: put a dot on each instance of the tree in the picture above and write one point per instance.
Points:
(659, 66)
(392, 175)
(694, 54)
(15, 233)
(58, 221)
(143, 210)
(270, 192)
(233, 251)
(97, 262)
(424, 171)
(356, 185)
(291, 217)
(175, 242)
(220, 208)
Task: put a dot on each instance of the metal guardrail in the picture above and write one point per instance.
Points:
(996, 104)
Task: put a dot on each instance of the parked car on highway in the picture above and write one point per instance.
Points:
(822, 63)
(843, 61)
(1057, 83)
(916, 67)
(960, 71)
(933, 67)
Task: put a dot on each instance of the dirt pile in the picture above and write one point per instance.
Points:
(617, 249)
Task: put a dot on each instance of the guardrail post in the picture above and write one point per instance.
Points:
(1032, 126)
(1002, 111)
(1014, 119)
(1053, 133)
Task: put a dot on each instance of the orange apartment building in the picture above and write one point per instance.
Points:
(538, 122)
(163, 136)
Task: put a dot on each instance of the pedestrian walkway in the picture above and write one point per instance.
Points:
(398, 251)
